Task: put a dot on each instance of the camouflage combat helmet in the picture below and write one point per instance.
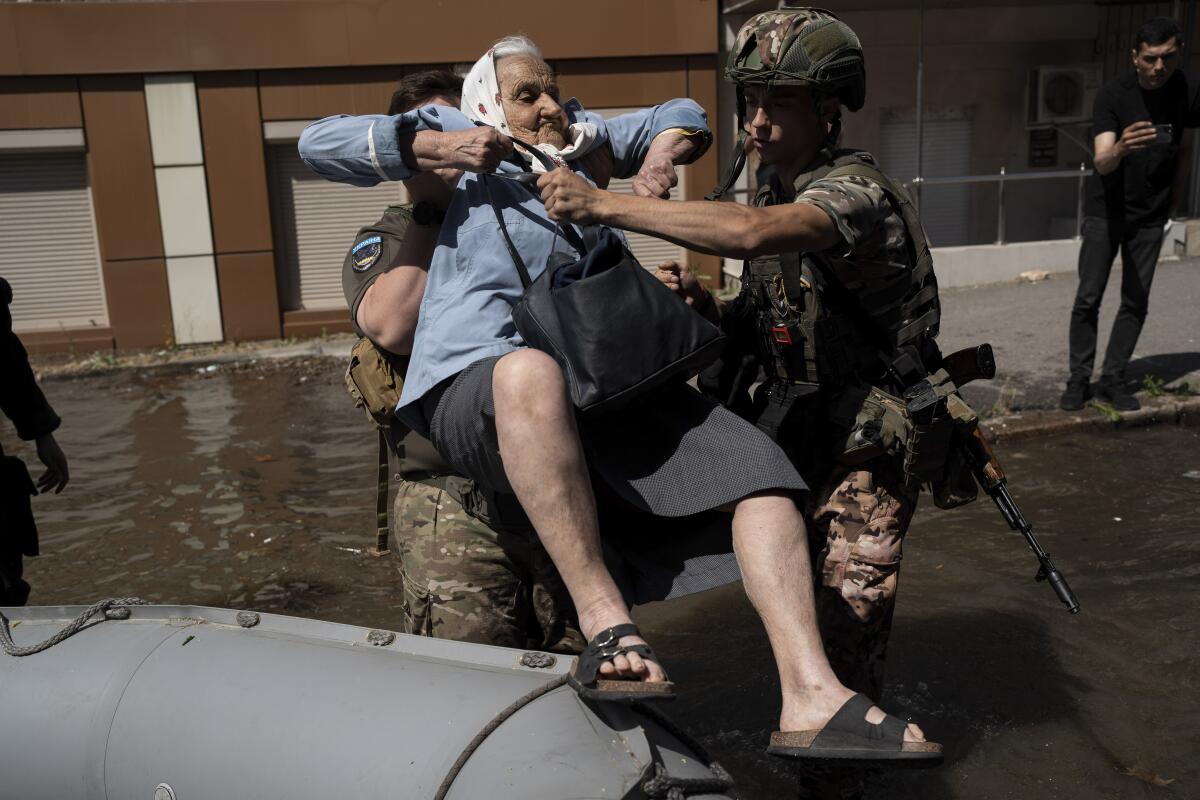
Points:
(800, 47)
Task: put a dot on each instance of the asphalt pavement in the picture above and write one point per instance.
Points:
(1026, 324)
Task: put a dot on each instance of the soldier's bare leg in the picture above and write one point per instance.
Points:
(544, 462)
(769, 539)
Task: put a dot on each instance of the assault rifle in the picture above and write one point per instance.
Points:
(967, 365)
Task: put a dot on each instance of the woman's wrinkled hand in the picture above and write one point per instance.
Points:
(656, 178)
(568, 197)
(479, 149)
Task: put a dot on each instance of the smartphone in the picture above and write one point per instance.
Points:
(1163, 134)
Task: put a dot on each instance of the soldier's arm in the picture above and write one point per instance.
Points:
(723, 229)
(388, 311)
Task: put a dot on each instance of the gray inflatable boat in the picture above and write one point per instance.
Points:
(191, 703)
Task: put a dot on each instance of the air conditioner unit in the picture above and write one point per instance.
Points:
(1062, 95)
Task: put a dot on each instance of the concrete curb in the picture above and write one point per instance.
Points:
(1178, 410)
(1175, 409)
(335, 347)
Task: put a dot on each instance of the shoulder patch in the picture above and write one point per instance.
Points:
(366, 252)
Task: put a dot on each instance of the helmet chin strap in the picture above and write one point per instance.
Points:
(738, 162)
(736, 165)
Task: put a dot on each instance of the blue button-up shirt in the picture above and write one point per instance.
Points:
(466, 311)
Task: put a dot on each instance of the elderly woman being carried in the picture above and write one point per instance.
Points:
(500, 411)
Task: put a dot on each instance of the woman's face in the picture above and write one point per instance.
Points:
(530, 98)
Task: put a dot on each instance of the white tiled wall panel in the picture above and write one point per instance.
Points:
(195, 305)
(183, 210)
(174, 120)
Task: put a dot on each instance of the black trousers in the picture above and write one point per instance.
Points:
(13, 590)
(1139, 256)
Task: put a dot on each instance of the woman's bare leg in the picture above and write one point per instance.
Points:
(769, 539)
(544, 462)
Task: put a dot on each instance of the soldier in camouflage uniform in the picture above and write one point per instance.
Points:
(471, 566)
(838, 298)
(469, 577)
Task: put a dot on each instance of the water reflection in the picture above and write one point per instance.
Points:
(254, 487)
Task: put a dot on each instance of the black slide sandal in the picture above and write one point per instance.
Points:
(849, 736)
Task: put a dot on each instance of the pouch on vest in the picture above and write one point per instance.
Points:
(374, 382)
(880, 426)
(957, 485)
(941, 418)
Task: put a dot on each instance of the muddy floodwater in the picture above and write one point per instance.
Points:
(252, 487)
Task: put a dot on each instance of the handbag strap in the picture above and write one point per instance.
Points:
(583, 245)
(526, 282)
(568, 232)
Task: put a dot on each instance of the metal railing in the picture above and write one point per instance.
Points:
(1001, 179)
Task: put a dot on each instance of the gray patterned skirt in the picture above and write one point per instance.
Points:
(672, 454)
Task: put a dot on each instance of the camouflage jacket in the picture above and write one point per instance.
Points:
(876, 242)
(824, 317)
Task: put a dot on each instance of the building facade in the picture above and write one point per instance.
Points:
(150, 189)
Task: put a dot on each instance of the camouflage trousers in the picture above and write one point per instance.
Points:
(856, 527)
(466, 581)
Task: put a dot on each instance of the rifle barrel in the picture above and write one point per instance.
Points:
(1047, 571)
(1059, 584)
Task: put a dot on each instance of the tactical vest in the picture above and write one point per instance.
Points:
(811, 328)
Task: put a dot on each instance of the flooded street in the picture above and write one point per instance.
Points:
(252, 486)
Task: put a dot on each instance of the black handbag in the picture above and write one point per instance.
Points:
(615, 330)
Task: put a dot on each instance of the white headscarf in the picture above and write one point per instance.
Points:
(481, 102)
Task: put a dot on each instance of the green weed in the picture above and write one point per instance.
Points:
(101, 361)
(1153, 386)
(1107, 411)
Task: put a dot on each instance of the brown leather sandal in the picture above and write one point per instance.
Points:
(585, 678)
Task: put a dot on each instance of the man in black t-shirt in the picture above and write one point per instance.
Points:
(1139, 132)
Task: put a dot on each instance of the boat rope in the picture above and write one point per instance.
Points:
(487, 730)
(664, 785)
(112, 608)
(659, 785)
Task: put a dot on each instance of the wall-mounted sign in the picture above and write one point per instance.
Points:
(1043, 147)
